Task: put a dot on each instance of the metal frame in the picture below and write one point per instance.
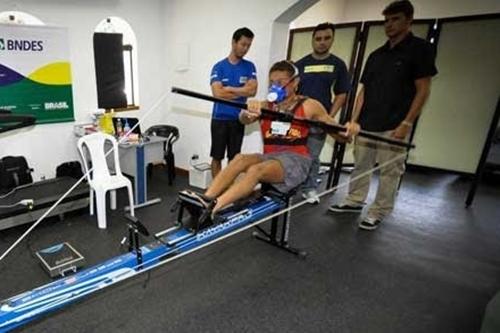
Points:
(280, 240)
(496, 116)
(484, 156)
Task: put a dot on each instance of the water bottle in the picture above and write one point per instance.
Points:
(119, 128)
(126, 127)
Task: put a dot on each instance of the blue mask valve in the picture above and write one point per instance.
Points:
(276, 94)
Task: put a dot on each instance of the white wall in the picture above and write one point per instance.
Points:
(363, 10)
(339, 11)
(46, 146)
(206, 32)
(322, 11)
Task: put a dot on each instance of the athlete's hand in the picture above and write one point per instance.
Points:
(253, 110)
(352, 129)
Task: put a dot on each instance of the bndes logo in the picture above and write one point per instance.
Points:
(21, 45)
(56, 106)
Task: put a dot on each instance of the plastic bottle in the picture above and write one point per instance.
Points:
(126, 127)
(119, 128)
(106, 124)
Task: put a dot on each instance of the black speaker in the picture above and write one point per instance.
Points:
(109, 71)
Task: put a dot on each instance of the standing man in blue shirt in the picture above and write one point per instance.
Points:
(322, 74)
(232, 78)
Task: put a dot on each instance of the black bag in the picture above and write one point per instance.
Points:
(69, 169)
(14, 171)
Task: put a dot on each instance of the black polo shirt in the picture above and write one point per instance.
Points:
(389, 82)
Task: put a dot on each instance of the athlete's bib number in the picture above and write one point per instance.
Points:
(280, 128)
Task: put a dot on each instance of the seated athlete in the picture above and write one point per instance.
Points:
(285, 162)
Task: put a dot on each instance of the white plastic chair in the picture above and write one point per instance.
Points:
(100, 179)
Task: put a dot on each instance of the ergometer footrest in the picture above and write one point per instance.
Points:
(199, 208)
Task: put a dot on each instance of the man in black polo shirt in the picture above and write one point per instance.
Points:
(395, 85)
(322, 74)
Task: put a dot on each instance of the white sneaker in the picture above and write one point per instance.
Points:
(311, 197)
(370, 223)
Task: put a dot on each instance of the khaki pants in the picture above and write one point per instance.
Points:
(367, 152)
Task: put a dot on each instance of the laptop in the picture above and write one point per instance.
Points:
(131, 123)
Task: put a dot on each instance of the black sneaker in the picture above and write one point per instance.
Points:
(200, 209)
(206, 218)
(369, 223)
(341, 208)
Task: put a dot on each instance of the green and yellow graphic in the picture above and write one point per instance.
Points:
(35, 78)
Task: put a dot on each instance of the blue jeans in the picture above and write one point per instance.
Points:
(315, 144)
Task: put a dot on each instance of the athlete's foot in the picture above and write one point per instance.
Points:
(201, 213)
(206, 218)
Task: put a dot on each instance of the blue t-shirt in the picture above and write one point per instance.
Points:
(318, 78)
(231, 76)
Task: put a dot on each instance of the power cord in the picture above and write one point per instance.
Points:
(25, 202)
